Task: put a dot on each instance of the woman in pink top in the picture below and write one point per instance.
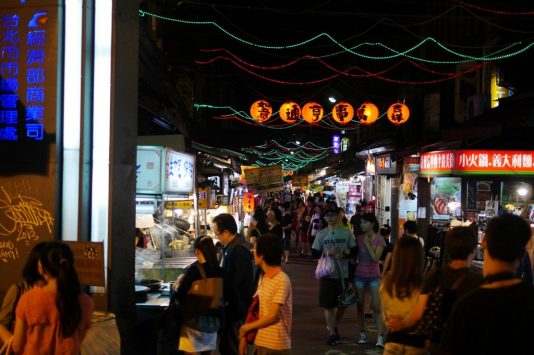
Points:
(53, 319)
(370, 246)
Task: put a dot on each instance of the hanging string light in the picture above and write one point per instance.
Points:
(396, 53)
(496, 12)
(347, 73)
(293, 157)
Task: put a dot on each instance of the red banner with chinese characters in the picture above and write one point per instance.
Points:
(494, 161)
(441, 162)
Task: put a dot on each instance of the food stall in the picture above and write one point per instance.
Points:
(166, 218)
(476, 185)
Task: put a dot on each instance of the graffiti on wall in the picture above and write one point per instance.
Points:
(21, 218)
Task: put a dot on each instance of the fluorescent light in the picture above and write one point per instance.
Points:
(71, 118)
(101, 123)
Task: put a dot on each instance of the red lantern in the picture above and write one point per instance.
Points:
(398, 113)
(290, 112)
(312, 112)
(261, 111)
(248, 202)
(367, 113)
(343, 112)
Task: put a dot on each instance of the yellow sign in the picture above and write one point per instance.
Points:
(202, 197)
(252, 176)
(266, 179)
(300, 181)
(185, 204)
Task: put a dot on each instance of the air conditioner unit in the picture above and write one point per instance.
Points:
(476, 105)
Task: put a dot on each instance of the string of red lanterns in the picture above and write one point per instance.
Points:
(343, 112)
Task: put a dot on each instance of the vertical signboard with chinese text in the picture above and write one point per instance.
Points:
(179, 172)
(436, 163)
(28, 110)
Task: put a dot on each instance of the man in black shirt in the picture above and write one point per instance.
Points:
(238, 281)
(287, 225)
(498, 317)
(355, 221)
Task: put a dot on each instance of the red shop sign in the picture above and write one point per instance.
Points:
(494, 161)
(441, 162)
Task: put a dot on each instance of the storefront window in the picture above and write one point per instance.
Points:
(446, 197)
(516, 196)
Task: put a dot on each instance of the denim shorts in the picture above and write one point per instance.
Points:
(363, 282)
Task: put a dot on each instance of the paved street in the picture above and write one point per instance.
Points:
(309, 329)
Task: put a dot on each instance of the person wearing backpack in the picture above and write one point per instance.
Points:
(442, 287)
(496, 318)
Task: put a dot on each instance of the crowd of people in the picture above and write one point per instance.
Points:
(249, 267)
(47, 313)
(393, 275)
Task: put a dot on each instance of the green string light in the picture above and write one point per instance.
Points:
(297, 158)
(405, 53)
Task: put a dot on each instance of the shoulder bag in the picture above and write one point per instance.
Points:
(204, 296)
(203, 305)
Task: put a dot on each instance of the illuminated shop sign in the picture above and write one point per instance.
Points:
(162, 170)
(384, 165)
(478, 162)
(437, 162)
(411, 164)
(28, 72)
(179, 172)
(336, 143)
(494, 162)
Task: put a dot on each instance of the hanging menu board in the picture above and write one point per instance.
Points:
(148, 170)
(179, 172)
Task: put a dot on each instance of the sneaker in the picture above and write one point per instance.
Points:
(380, 341)
(332, 340)
(363, 338)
